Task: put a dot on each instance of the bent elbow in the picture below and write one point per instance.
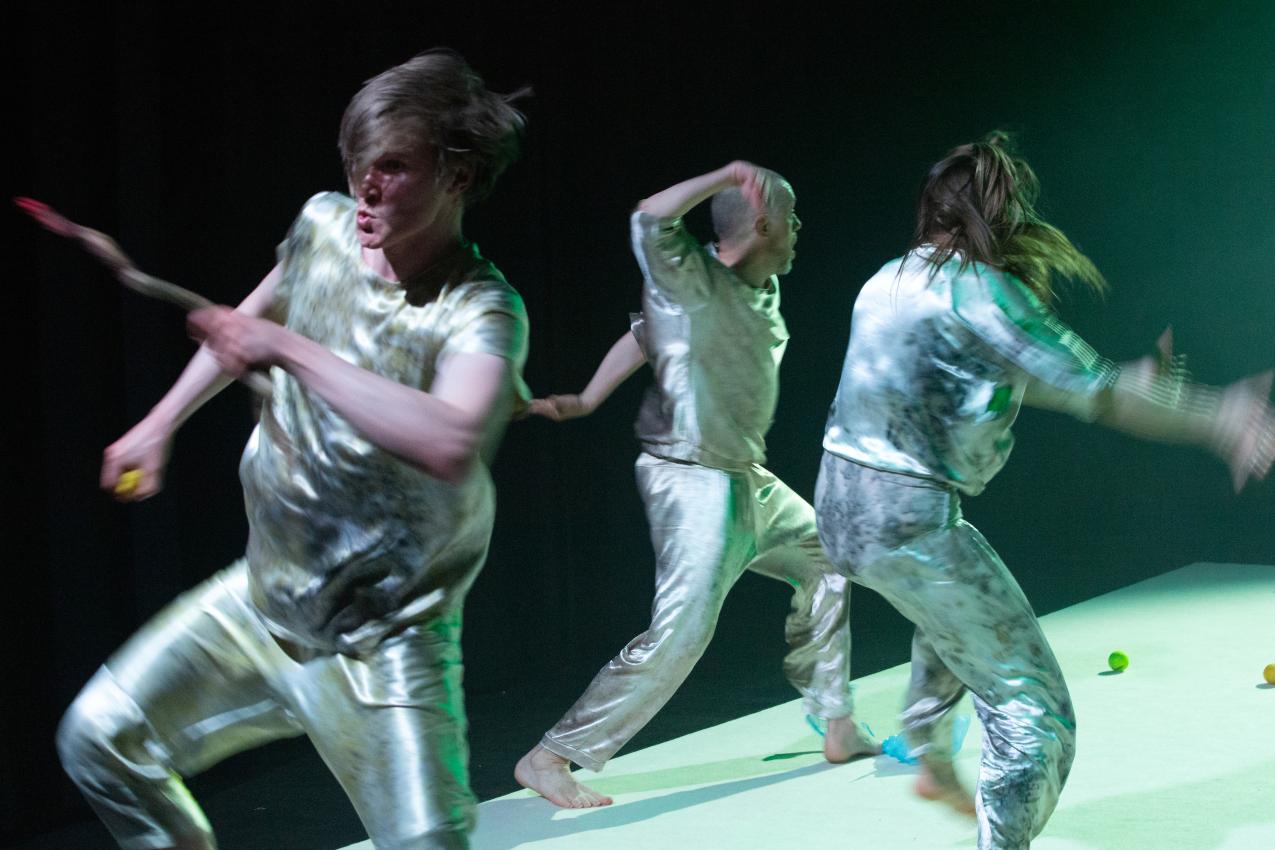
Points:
(452, 460)
(454, 470)
(649, 206)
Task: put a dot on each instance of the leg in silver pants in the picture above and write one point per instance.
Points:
(204, 680)
(904, 538)
(708, 526)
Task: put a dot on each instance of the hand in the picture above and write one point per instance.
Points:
(237, 341)
(106, 249)
(559, 408)
(1164, 369)
(1246, 429)
(754, 182)
(133, 466)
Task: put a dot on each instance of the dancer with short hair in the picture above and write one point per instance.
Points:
(712, 332)
(395, 350)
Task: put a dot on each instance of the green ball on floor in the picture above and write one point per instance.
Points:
(1118, 661)
(1269, 674)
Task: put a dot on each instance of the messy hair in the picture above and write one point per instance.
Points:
(437, 98)
(979, 202)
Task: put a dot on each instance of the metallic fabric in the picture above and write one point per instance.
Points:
(708, 526)
(357, 561)
(938, 364)
(204, 679)
(904, 537)
(714, 343)
(348, 543)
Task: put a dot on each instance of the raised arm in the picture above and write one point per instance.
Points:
(676, 201)
(144, 449)
(622, 360)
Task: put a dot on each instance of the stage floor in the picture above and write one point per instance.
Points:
(1175, 753)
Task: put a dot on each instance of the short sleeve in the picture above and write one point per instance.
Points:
(1003, 313)
(297, 249)
(493, 320)
(637, 327)
(670, 258)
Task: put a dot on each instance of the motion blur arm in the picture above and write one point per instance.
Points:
(1233, 422)
(203, 378)
(623, 359)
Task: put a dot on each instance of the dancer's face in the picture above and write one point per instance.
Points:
(781, 238)
(400, 197)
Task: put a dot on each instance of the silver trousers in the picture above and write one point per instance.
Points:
(204, 680)
(708, 526)
(904, 538)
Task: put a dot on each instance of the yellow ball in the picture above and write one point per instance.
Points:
(1118, 661)
(1269, 673)
(128, 481)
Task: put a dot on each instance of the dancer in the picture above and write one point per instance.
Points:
(397, 352)
(945, 345)
(712, 331)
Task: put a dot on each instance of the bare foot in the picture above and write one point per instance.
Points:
(845, 741)
(549, 775)
(948, 791)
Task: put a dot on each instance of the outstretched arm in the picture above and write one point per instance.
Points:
(145, 448)
(1234, 422)
(676, 201)
(624, 358)
(441, 431)
(1153, 399)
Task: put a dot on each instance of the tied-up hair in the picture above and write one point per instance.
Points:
(434, 97)
(979, 202)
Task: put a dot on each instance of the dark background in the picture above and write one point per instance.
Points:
(196, 135)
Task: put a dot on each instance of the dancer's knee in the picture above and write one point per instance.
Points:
(1040, 731)
(678, 645)
(103, 732)
(83, 736)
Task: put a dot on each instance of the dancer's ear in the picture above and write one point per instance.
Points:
(460, 179)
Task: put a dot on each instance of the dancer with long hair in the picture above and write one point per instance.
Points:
(946, 343)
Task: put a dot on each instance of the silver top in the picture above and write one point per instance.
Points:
(937, 367)
(714, 343)
(347, 542)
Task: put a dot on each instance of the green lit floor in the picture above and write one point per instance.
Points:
(1176, 752)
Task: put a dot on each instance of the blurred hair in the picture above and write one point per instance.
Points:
(434, 97)
(979, 202)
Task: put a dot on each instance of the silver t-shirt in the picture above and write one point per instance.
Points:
(714, 344)
(937, 367)
(348, 543)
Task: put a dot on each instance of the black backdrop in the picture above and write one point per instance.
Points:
(195, 135)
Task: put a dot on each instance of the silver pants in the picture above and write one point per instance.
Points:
(904, 538)
(204, 680)
(708, 526)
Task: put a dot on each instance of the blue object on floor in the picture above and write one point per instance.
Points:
(895, 746)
